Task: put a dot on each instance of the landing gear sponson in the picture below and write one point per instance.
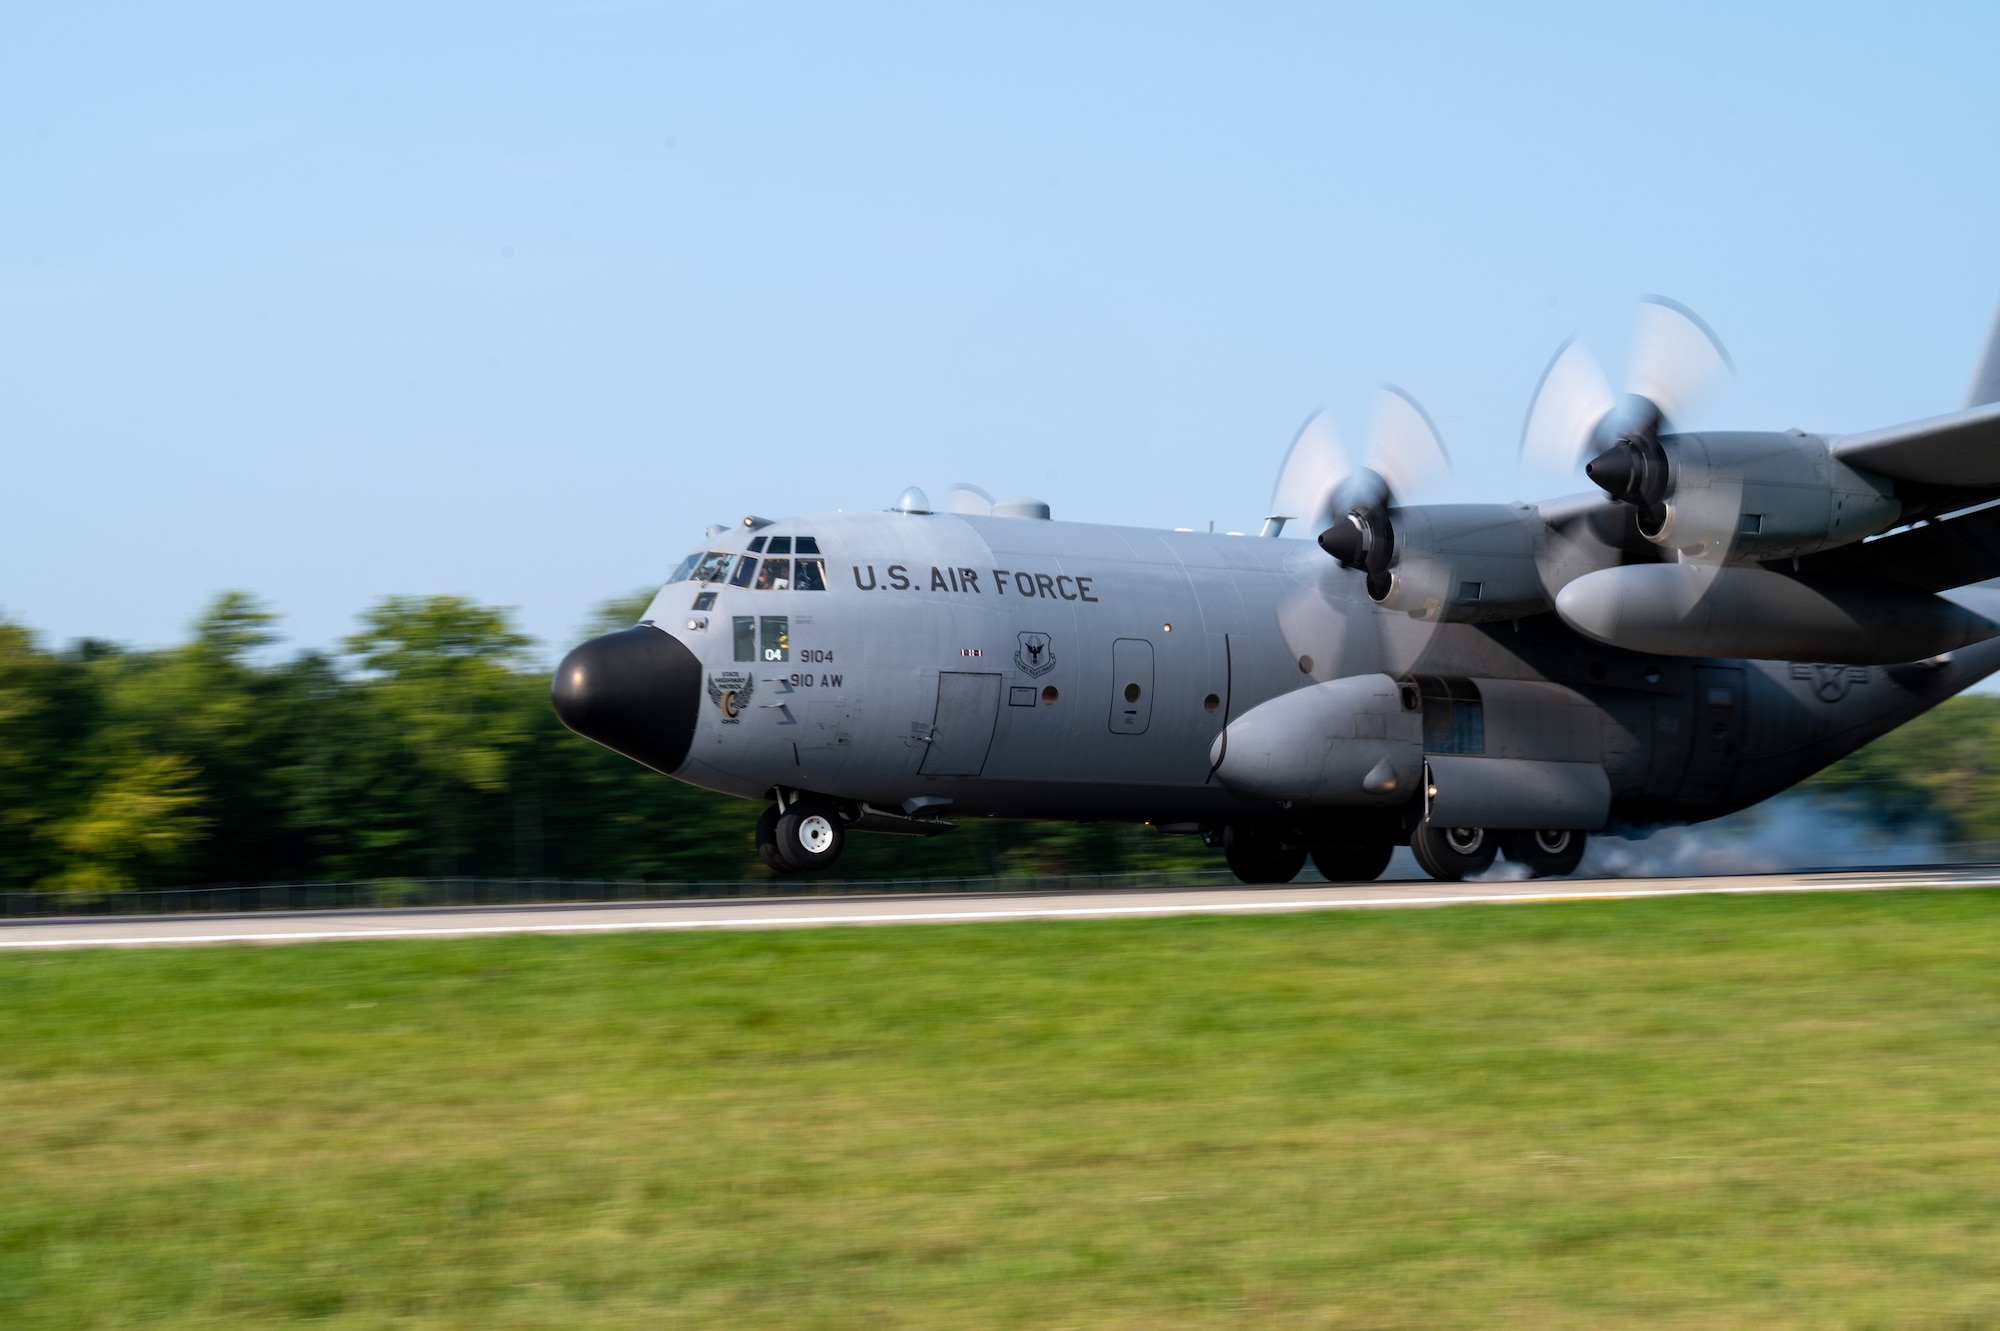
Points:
(1358, 853)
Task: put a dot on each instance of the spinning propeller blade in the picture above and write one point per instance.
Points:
(1314, 467)
(1574, 415)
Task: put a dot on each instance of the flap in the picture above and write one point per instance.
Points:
(1960, 451)
(1933, 556)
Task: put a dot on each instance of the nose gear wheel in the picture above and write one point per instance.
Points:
(805, 838)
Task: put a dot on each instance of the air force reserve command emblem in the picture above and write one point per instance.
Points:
(730, 692)
(1034, 654)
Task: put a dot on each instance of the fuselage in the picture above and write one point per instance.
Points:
(1014, 667)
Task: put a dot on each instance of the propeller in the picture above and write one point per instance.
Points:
(1351, 510)
(1403, 452)
(1316, 482)
(965, 497)
(1574, 415)
(1678, 500)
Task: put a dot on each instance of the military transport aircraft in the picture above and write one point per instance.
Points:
(1734, 612)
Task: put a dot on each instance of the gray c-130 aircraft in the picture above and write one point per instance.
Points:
(1732, 613)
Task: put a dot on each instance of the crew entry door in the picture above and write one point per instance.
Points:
(962, 731)
(1131, 686)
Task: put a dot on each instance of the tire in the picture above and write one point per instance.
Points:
(1259, 857)
(810, 838)
(1545, 854)
(1449, 854)
(767, 842)
(1354, 863)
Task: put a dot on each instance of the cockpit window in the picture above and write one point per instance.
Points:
(757, 545)
(713, 566)
(686, 567)
(781, 545)
(808, 575)
(808, 545)
(746, 568)
(776, 575)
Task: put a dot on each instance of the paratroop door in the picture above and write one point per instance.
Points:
(1131, 686)
(1716, 745)
(962, 731)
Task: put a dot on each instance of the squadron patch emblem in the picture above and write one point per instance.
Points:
(1034, 655)
(730, 692)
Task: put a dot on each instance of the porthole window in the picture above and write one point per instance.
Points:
(1211, 703)
(1049, 694)
(1131, 693)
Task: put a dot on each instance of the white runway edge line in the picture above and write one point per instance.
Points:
(976, 916)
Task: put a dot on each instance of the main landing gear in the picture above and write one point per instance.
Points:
(1450, 854)
(802, 837)
(1347, 853)
(1260, 855)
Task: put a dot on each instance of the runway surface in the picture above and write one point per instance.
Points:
(800, 912)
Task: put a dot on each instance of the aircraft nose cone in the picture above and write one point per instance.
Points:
(636, 692)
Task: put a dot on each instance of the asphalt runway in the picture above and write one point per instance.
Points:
(801, 912)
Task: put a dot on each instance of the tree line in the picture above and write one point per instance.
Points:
(424, 746)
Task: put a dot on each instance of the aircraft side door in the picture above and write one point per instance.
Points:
(1715, 747)
(968, 705)
(1131, 686)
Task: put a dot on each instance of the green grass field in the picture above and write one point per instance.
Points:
(1775, 1112)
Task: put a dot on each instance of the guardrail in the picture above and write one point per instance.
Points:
(378, 893)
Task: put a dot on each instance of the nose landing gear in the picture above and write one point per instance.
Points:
(803, 837)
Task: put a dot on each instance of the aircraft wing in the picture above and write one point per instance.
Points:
(1932, 556)
(1960, 451)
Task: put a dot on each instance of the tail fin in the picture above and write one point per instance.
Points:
(1986, 383)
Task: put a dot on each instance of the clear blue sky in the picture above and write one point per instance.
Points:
(333, 301)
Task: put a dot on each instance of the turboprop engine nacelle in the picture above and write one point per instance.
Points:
(1766, 496)
(1352, 741)
(1464, 563)
(1687, 609)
